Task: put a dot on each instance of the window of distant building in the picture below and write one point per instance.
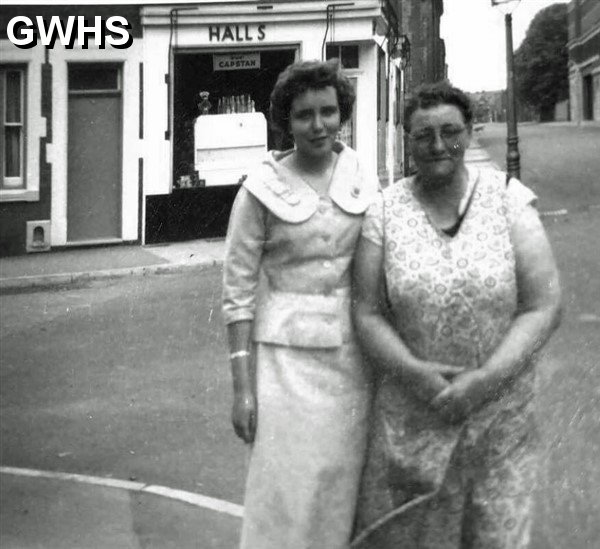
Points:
(12, 136)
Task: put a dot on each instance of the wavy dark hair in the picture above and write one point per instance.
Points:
(438, 93)
(309, 75)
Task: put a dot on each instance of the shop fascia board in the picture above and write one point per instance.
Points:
(230, 12)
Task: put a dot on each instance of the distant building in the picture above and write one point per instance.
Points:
(489, 106)
(584, 59)
(423, 60)
(421, 24)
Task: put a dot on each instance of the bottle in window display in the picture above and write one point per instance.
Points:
(204, 105)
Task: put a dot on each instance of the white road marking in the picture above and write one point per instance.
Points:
(198, 500)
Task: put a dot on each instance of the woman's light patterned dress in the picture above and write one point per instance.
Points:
(428, 484)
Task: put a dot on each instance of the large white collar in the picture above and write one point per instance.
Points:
(290, 198)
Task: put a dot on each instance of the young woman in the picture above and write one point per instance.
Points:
(291, 238)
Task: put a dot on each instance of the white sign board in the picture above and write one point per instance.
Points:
(228, 146)
(236, 61)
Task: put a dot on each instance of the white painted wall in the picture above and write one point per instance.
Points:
(157, 150)
(132, 149)
(366, 107)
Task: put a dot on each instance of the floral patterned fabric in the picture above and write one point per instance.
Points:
(428, 484)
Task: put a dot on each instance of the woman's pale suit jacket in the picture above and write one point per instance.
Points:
(287, 268)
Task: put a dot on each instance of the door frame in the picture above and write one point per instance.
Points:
(116, 92)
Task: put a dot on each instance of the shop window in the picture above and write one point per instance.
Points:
(12, 114)
(97, 77)
(202, 88)
(347, 54)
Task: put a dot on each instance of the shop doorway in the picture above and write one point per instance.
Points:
(193, 210)
(94, 153)
(195, 72)
(588, 97)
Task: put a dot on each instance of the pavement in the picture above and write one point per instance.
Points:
(476, 155)
(73, 265)
(82, 512)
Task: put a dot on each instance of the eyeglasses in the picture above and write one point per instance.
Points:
(449, 135)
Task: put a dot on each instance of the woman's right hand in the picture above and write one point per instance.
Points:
(431, 378)
(243, 415)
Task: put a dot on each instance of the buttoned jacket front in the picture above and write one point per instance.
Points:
(289, 252)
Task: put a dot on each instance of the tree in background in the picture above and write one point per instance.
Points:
(541, 62)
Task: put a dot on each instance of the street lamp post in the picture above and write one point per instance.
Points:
(513, 158)
(401, 56)
(404, 62)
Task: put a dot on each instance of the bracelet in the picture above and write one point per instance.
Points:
(239, 354)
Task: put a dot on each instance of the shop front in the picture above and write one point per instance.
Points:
(209, 70)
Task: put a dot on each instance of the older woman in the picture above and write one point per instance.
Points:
(291, 238)
(456, 290)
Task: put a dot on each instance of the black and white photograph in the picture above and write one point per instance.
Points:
(315, 274)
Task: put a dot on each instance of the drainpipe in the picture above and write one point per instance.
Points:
(173, 15)
(330, 23)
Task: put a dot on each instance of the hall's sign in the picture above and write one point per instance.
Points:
(236, 33)
(236, 61)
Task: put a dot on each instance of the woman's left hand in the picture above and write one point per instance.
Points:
(465, 394)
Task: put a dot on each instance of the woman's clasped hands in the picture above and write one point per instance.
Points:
(453, 391)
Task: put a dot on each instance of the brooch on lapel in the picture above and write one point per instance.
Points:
(282, 191)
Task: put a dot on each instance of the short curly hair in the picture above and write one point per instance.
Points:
(431, 95)
(309, 75)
